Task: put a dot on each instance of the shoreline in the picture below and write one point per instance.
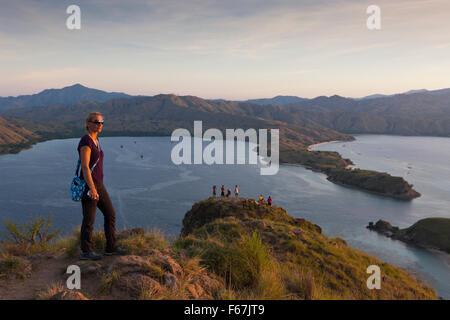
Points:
(320, 143)
(308, 148)
(404, 197)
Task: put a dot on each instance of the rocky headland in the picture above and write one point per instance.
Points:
(432, 233)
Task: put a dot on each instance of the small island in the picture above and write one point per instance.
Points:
(341, 172)
(375, 182)
(431, 233)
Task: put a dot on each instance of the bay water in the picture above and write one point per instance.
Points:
(149, 191)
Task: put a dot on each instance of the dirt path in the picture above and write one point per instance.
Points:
(46, 271)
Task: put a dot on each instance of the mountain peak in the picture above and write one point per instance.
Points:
(76, 85)
(64, 96)
(336, 96)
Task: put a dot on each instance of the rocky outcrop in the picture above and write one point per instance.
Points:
(153, 274)
(383, 227)
(429, 233)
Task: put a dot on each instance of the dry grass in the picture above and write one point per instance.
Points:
(139, 243)
(253, 254)
(50, 291)
(108, 280)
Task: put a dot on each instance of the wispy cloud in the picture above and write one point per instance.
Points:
(238, 44)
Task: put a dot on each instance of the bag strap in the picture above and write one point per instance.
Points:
(79, 160)
(79, 164)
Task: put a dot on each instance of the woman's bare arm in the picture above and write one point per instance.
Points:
(85, 155)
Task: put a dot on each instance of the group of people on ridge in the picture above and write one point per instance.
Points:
(236, 194)
(269, 199)
(222, 191)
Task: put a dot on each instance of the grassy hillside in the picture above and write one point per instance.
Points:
(262, 251)
(14, 136)
(19, 134)
(228, 249)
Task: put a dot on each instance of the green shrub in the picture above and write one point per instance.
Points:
(8, 263)
(36, 232)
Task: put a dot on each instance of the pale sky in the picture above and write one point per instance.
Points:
(231, 49)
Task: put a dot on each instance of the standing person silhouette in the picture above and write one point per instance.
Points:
(236, 191)
(95, 194)
(222, 191)
(214, 190)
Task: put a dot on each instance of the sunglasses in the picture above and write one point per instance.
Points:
(97, 121)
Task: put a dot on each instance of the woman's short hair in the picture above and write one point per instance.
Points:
(90, 116)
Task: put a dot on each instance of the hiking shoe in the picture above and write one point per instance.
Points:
(90, 256)
(117, 251)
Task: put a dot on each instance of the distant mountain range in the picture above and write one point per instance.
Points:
(79, 93)
(421, 113)
(302, 121)
(375, 96)
(161, 114)
(289, 100)
(66, 96)
(278, 100)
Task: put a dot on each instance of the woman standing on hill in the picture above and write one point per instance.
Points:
(95, 195)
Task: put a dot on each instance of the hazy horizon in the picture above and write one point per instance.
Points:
(212, 98)
(235, 50)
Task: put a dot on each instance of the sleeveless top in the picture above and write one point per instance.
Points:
(96, 153)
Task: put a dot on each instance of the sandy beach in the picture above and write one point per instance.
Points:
(318, 144)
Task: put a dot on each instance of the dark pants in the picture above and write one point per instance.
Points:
(87, 227)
